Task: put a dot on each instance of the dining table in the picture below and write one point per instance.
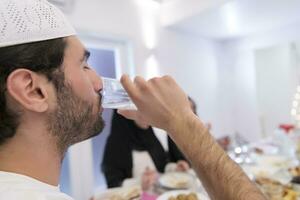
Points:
(262, 161)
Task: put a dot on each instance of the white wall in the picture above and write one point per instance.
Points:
(276, 80)
(193, 63)
(241, 56)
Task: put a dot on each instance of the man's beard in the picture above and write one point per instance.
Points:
(73, 119)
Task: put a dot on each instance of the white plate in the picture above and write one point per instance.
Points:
(176, 180)
(120, 192)
(174, 193)
(275, 161)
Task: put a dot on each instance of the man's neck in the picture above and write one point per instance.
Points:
(30, 153)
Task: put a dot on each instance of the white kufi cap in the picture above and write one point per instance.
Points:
(25, 21)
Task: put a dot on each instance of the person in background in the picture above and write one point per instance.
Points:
(50, 99)
(135, 150)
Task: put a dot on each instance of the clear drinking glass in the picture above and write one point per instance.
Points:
(114, 96)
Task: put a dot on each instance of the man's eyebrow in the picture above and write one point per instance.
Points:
(86, 55)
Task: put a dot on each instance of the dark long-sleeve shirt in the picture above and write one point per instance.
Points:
(125, 137)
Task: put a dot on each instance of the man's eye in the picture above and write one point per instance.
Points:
(86, 67)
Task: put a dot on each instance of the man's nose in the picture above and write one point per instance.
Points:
(97, 81)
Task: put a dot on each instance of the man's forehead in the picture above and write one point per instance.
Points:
(74, 46)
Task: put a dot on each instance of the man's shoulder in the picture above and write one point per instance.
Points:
(31, 195)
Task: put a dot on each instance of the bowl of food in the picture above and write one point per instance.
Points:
(274, 189)
(125, 193)
(176, 180)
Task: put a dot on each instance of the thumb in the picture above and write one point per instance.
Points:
(128, 86)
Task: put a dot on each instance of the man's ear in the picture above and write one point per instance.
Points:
(28, 89)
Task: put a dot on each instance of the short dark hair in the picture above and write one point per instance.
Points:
(43, 57)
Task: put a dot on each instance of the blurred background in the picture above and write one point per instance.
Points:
(238, 59)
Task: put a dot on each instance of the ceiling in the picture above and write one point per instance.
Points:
(241, 18)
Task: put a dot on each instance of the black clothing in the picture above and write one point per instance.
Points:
(125, 137)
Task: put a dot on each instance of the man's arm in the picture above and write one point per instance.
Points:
(163, 104)
(221, 177)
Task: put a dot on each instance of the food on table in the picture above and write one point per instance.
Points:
(180, 184)
(275, 190)
(132, 193)
(267, 181)
(189, 196)
(176, 180)
(258, 150)
(294, 171)
(289, 194)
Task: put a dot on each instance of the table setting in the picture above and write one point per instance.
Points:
(273, 164)
(169, 186)
(275, 170)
